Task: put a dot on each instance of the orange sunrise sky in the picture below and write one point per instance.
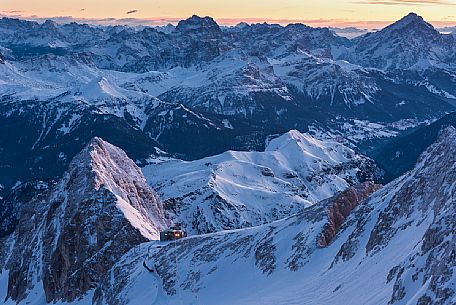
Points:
(342, 13)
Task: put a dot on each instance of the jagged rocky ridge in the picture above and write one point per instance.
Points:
(70, 236)
(242, 189)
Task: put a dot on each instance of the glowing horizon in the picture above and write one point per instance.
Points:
(369, 14)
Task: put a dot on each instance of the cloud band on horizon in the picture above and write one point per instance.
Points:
(157, 21)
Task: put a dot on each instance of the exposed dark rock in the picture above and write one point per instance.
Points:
(264, 253)
(341, 206)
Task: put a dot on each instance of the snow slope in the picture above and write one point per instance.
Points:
(396, 247)
(239, 189)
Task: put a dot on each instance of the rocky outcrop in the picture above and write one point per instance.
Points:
(69, 238)
(416, 212)
(200, 26)
(433, 265)
(341, 206)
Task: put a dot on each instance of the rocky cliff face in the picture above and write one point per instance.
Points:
(199, 26)
(340, 208)
(69, 237)
(416, 213)
(421, 202)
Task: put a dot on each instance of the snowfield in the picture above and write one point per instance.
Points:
(240, 189)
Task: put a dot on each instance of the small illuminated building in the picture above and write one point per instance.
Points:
(173, 233)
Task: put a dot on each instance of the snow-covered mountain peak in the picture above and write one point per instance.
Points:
(242, 25)
(412, 22)
(49, 24)
(410, 43)
(101, 165)
(167, 29)
(107, 157)
(103, 157)
(296, 143)
(239, 189)
(411, 30)
(99, 88)
(74, 233)
(199, 25)
(97, 154)
(292, 136)
(411, 17)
